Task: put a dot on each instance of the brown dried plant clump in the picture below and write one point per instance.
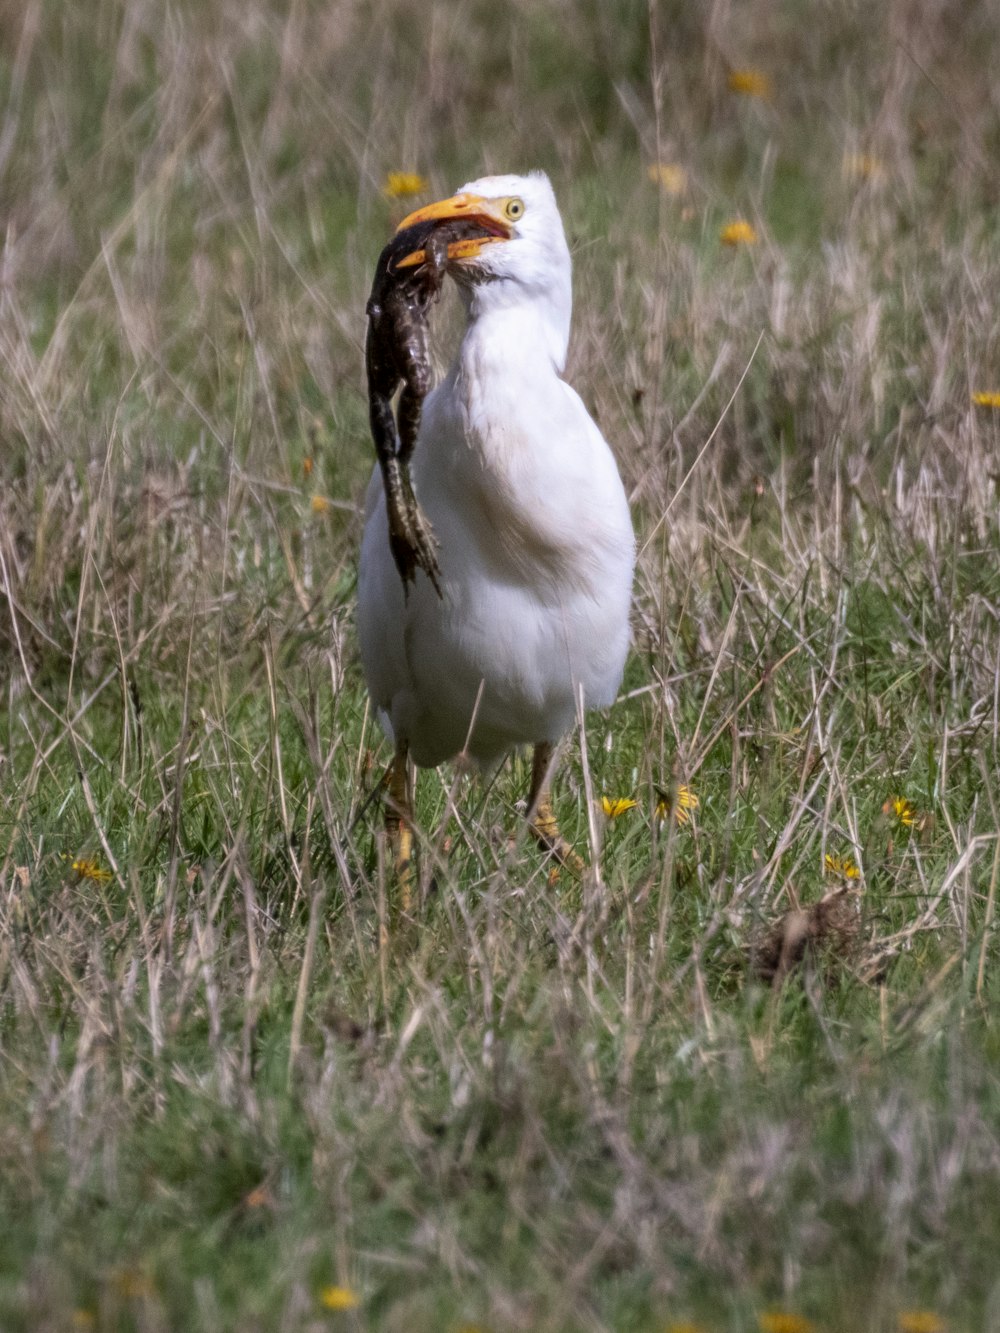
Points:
(827, 931)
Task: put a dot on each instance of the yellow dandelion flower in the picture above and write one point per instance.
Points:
(844, 866)
(617, 805)
(863, 167)
(92, 870)
(901, 808)
(920, 1321)
(991, 399)
(134, 1284)
(738, 233)
(780, 1321)
(671, 178)
(750, 83)
(401, 184)
(319, 504)
(339, 1298)
(679, 804)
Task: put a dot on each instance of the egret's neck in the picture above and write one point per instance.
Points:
(505, 382)
(508, 324)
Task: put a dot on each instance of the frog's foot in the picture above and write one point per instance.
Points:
(423, 544)
(412, 541)
(399, 504)
(404, 556)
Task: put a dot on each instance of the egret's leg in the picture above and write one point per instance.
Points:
(399, 823)
(541, 816)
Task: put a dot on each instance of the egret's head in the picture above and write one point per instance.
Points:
(521, 259)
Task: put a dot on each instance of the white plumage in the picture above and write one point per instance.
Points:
(536, 547)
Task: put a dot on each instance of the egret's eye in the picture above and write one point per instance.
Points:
(513, 209)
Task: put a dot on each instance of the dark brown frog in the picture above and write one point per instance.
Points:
(397, 352)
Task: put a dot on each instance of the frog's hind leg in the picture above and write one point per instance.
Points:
(417, 377)
(383, 428)
(395, 483)
(419, 532)
(410, 407)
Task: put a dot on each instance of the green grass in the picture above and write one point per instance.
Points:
(230, 1077)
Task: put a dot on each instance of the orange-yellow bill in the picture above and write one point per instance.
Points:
(459, 207)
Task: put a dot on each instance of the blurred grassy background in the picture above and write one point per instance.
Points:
(223, 1102)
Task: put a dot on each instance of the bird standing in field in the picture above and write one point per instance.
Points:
(535, 541)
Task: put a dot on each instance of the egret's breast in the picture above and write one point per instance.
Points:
(523, 537)
(526, 469)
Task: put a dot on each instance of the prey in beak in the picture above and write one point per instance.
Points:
(466, 222)
(408, 279)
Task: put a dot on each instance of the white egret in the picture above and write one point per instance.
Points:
(536, 547)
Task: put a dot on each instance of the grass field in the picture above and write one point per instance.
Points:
(228, 1098)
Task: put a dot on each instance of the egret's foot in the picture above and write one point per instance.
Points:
(399, 827)
(542, 817)
(403, 864)
(546, 832)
